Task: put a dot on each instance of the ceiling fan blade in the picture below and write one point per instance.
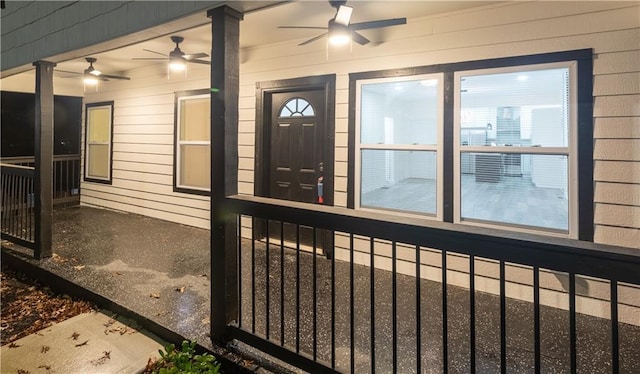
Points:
(304, 27)
(359, 38)
(313, 39)
(343, 16)
(150, 59)
(195, 55)
(200, 61)
(114, 77)
(158, 53)
(378, 24)
(67, 72)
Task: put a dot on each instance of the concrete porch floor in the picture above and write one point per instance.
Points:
(161, 270)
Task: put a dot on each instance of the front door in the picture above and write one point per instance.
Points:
(295, 156)
(297, 145)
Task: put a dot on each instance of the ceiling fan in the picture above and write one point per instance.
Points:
(340, 30)
(177, 59)
(93, 75)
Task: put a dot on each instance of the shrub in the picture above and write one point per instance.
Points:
(183, 361)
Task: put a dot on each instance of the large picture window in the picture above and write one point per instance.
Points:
(98, 142)
(399, 124)
(193, 142)
(504, 143)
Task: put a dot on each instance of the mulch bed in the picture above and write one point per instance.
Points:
(27, 306)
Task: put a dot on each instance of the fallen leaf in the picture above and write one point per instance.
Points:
(79, 267)
(74, 336)
(155, 295)
(106, 355)
(45, 349)
(83, 343)
(20, 371)
(14, 345)
(45, 367)
(180, 289)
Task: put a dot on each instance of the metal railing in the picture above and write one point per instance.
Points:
(18, 215)
(386, 305)
(66, 176)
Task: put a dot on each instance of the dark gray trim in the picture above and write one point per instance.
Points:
(264, 90)
(43, 152)
(179, 94)
(584, 58)
(225, 90)
(86, 148)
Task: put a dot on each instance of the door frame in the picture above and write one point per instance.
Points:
(264, 92)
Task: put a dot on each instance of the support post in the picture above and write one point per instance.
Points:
(225, 87)
(43, 181)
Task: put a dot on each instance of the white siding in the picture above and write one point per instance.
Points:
(507, 29)
(143, 148)
(612, 29)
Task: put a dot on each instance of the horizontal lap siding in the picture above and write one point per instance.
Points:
(612, 30)
(143, 147)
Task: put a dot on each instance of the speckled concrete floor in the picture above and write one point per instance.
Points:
(143, 264)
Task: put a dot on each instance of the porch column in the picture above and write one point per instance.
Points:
(225, 86)
(43, 181)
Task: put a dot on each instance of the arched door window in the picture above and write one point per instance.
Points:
(297, 107)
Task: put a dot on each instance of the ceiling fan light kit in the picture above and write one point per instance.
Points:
(341, 31)
(177, 59)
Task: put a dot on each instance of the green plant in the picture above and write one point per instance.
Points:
(184, 361)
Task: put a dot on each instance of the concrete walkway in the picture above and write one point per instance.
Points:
(87, 343)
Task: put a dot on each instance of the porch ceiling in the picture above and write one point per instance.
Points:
(260, 27)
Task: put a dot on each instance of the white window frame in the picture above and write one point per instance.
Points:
(180, 143)
(89, 143)
(571, 151)
(437, 148)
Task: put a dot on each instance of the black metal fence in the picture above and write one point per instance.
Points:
(18, 215)
(66, 176)
(506, 302)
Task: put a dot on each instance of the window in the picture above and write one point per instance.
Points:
(514, 161)
(98, 141)
(192, 172)
(504, 143)
(297, 107)
(397, 149)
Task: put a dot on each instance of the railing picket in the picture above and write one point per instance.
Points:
(472, 314)
(352, 328)
(536, 320)
(445, 336)
(253, 275)
(333, 306)
(282, 283)
(418, 313)
(572, 322)
(267, 292)
(239, 256)
(394, 305)
(372, 310)
(615, 350)
(315, 296)
(503, 319)
(297, 288)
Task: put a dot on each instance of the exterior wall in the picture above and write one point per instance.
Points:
(143, 138)
(503, 30)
